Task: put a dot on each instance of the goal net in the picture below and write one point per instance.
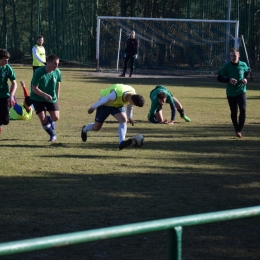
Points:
(166, 45)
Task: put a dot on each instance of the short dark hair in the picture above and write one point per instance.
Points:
(4, 54)
(138, 100)
(234, 50)
(161, 95)
(39, 37)
(52, 57)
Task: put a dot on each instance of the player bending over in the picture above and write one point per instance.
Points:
(112, 102)
(159, 96)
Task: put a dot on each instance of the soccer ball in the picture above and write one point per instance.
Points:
(138, 140)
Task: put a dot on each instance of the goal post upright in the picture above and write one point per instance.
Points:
(97, 43)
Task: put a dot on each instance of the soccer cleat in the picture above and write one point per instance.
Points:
(130, 75)
(125, 143)
(83, 134)
(53, 138)
(53, 126)
(239, 135)
(122, 75)
(187, 119)
(1, 129)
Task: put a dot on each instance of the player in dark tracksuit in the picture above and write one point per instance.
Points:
(234, 74)
(130, 54)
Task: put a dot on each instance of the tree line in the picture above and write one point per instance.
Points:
(69, 26)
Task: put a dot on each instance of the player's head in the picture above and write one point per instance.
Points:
(162, 97)
(138, 100)
(234, 55)
(132, 35)
(40, 40)
(52, 62)
(4, 57)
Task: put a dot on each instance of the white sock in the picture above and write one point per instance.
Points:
(88, 127)
(122, 132)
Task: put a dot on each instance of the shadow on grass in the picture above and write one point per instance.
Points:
(219, 174)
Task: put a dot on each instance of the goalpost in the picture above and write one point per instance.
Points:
(165, 44)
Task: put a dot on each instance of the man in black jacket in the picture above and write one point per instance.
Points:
(130, 54)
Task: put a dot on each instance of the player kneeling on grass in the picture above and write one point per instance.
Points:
(112, 102)
(24, 111)
(159, 96)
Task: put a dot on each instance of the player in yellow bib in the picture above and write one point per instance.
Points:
(24, 111)
(111, 102)
(38, 54)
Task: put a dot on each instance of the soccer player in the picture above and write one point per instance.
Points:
(130, 54)
(159, 96)
(24, 111)
(38, 53)
(112, 102)
(234, 74)
(6, 93)
(45, 92)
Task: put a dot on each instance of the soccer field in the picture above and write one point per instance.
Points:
(182, 169)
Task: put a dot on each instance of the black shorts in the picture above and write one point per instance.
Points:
(4, 111)
(40, 106)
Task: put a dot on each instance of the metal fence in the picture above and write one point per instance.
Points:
(173, 225)
(69, 27)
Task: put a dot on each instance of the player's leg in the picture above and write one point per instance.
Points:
(159, 115)
(40, 109)
(241, 101)
(132, 59)
(4, 113)
(232, 101)
(180, 109)
(125, 66)
(102, 113)
(121, 117)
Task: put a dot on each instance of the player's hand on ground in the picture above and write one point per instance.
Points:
(131, 121)
(91, 110)
(171, 122)
(165, 121)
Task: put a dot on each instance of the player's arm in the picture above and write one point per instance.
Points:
(36, 55)
(222, 79)
(58, 90)
(173, 109)
(102, 101)
(13, 87)
(130, 113)
(39, 92)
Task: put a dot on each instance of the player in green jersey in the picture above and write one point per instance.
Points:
(234, 74)
(6, 93)
(45, 92)
(159, 96)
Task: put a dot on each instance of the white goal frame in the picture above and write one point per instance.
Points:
(227, 22)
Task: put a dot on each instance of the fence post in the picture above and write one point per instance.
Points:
(174, 243)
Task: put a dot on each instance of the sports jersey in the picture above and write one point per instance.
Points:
(40, 52)
(18, 112)
(236, 71)
(120, 91)
(46, 82)
(155, 102)
(6, 72)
